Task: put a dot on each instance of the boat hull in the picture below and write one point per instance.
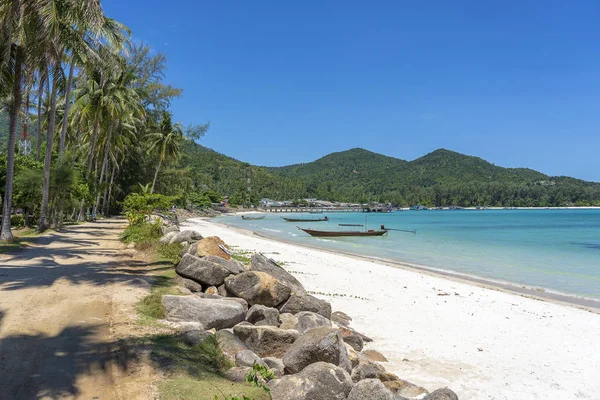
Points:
(252, 218)
(315, 233)
(304, 220)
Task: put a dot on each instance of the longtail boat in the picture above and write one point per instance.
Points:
(252, 218)
(370, 232)
(306, 219)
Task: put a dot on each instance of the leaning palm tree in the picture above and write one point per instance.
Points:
(166, 143)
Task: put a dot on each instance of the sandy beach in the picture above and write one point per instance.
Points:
(437, 331)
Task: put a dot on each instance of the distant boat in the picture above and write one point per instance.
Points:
(252, 218)
(370, 232)
(306, 219)
(418, 208)
(315, 212)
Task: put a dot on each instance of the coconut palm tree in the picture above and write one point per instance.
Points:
(166, 143)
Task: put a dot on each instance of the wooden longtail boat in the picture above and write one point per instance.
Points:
(306, 219)
(371, 232)
(252, 218)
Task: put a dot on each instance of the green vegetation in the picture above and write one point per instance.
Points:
(19, 241)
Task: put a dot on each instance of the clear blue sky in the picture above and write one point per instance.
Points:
(516, 83)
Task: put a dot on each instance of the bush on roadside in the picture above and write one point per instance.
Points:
(170, 252)
(143, 235)
(17, 221)
(138, 207)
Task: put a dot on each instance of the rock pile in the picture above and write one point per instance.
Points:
(263, 315)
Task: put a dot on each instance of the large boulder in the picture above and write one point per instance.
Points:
(364, 370)
(247, 358)
(210, 270)
(275, 365)
(403, 388)
(237, 374)
(266, 341)
(318, 344)
(262, 315)
(229, 344)
(308, 320)
(441, 394)
(185, 236)
(210, 246)
(373, 355)
(340, 318)
(264, 264)
(189, 284)
(194, 337)
(211, 313)
(306, 302)
(353, 338)
(319, 381)
(166, 238)
(258, 288)
(370, 389)
(287, 321)
(233, 266)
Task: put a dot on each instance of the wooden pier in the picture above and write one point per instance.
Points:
(290, 209)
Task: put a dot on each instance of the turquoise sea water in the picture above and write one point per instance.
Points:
(558, 250)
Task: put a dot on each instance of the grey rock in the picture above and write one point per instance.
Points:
(266, 341)
(194, 337)
(223, 291)
(193, 286)
(166, 238)
(318, 344)
(237, 374)
(247, 358)
(184, 250)
(340, 318)
(258, 288)
(275, 365)
(441, 394)
(262, 315)
(203, 270)
(306, 302)
(402, 388)
(364, 370)
(353, 338)
(185, 236)
(287, 321)
(319, 381)
(370, 389)
(229, 344)
(212, 313)
(233, 266)
(308, 320)
(264, 264)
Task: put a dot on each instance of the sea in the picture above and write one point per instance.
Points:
(549, 250)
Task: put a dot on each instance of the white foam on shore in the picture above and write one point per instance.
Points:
(432, 328)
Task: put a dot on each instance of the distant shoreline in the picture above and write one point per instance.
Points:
(514, 288)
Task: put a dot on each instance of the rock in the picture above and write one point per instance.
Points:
(258, 288)
(308, 320)
(185, 236)
(184, 290)
(266, 341)
(352, 355)
(209, 246)
(387, 376)
(212, 313)
(262, 315)
(229, 344)
(188, 284)
(194, 337)
(233, 266)
(340, 318)
(192, 250)
(237, 374)
(441, 394)
(264, 264)
(364, 370)
(374, 355)
(287, 321)
(370, 389)
(202, 270)
(319, 381)
(404, 388)
(184, 326)
(243, 302)
(306, 302)
(211, 290)
(247, 358)
(184, 250)
(275, 365)
(166, 238)
(318, 344)
(352, 338)
(223, 291)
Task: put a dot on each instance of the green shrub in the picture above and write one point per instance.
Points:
(138, 207)
(143, 234)
(17, 221)
(170, 252)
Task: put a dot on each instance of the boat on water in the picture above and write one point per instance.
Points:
(252, 218)
(306, 219)
(370, 232)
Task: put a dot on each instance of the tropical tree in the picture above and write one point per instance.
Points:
(165, 143)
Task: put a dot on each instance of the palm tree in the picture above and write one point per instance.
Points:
(165, 143)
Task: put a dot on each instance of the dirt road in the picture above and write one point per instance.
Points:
(58, 316)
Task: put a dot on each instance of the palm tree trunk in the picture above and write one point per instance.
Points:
(5, 231)
(103, 169)
(110, 186)
(44, 222)
(38, 144)
(103, 209)
(63, 132)
(155, 176)
(81, 216)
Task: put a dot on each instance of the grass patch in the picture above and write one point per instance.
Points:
(169, 252)
(20, 238)
(144, 235)
(150, 308)
(245, 257)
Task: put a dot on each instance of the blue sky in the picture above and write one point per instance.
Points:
(516, 83)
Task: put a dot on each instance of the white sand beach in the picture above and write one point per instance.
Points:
(437, 331)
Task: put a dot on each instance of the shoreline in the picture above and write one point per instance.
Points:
(538, 293)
